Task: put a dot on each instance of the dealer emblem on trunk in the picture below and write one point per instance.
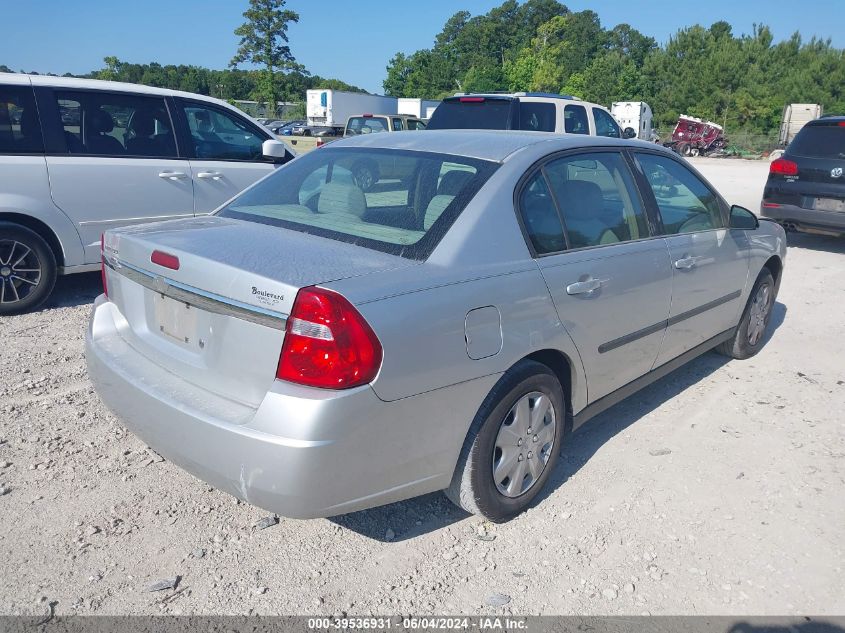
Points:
(836, 172)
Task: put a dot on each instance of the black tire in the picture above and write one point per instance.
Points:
(23, 251)
(743, 344)
(684, 149)
(473, 487)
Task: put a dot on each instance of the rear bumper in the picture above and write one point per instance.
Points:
(805, 219)
(302, 452)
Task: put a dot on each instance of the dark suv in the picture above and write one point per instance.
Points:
(806, 186)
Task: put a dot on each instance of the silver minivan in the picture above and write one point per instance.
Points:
(78, 157)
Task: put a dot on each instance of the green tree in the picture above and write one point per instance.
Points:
(264, 42)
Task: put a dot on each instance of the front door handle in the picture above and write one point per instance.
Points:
(172, 175)
(587, 286)
(685, 263)
(210, 175)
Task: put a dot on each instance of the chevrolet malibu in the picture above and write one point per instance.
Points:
(314, 348)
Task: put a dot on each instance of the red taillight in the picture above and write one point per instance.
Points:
(328, 343)
(842, 124)
(471, 99)
(783, 167)
(103, 264)
(165, 259)
(770, 205)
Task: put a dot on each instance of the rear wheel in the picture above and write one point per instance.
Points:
(684, 149)
(27, 269)
(513, 444)
(751, 331)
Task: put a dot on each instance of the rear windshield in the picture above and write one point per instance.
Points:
(394, 201)
(487, 114)
(819, 141)
(366, 125)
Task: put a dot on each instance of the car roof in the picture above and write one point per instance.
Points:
(525, 96)
(493, 145)
(98, 84)
(828, 120)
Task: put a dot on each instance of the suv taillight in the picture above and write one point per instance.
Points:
(783, 167)
(328, 343)
(103, 264)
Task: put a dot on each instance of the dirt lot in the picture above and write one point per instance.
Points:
(717, 490)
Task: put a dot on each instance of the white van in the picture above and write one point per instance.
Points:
(80, 156)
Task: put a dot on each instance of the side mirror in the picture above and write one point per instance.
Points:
(629, 132)
(742, 218)
(277, 151)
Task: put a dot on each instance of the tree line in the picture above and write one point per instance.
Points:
(742, 81)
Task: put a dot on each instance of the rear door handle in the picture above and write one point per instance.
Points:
(210, 175)
(585, 287)
(685, 263)
(172, 175)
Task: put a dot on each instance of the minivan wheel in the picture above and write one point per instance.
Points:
(751, 331)
(513, 444)
(27, 269)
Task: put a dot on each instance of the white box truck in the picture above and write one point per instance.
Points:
(420, 108)
(636, 115)
(333, 107)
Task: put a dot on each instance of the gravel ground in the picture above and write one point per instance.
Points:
(717, 490)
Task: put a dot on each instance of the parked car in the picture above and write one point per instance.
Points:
(86, 156)
(286, 129)
(314, 349)
(534, 111)
(375, 123)
(316, 130)
(805, 190)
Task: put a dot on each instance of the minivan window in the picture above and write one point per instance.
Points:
(597, 198)
(537, 116)
(20, 129)
(819, 141)
(220, 135)
(479, 113)
(605, 124)
(415, 198)
(686, 204)
(98, 123)
(575, 120)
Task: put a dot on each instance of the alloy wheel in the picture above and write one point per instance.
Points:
(759, 314)
(20, 271)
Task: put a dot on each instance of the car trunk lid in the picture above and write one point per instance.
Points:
(213, 309)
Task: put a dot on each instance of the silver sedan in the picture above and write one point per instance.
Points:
(403, 313)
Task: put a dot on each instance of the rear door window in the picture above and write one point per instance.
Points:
(819, 141)
(216, 134)
(537, 116)
(472, 113)
(398, 125)
(575, 120)
(97, 123)
(605, 124)
(20, 129)
(598, 199)
(686, 204)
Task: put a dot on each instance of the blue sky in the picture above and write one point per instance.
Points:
(350, 40)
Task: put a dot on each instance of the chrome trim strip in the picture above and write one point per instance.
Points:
(199, 298)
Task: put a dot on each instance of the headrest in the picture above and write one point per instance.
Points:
(336, 197)
(453, 181)
(581, 199)
(143, 123)
(100, 121)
